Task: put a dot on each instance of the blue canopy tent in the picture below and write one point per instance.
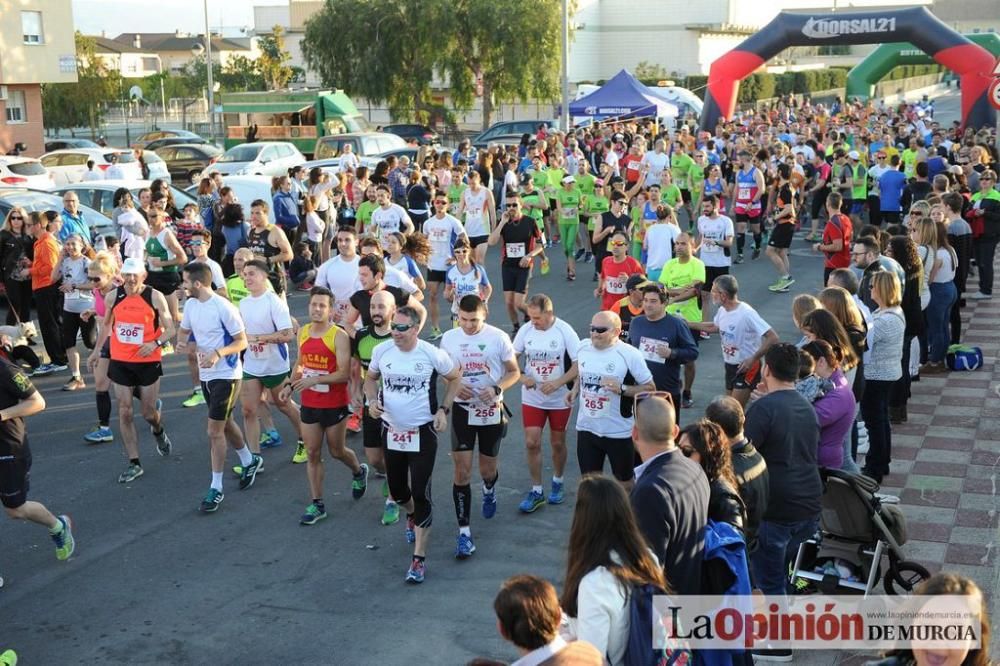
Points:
(622, 97)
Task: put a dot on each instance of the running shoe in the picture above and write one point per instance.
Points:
(411, 530)
(415, 574)
(436, 334)
(687, 402)
(212, 501)
(354, 423)
(63, 539)
(359, 484)
(238, 469)
(546, 266)
(489, 504)
(196, 399)
(777, 285)
(249, 474)
(314, 513)
(59, 367)
(579, 254)
(704, 335)
(756, 253)
(556, 494)
(131, 473)
(270, 439)
(738, 259)
(99, 434)
(588, 257)
(464, 548)
(300, 453)
(8, 658)
(74, 384)
(532, 502)
(42, 370)
(163, 446)
(390, 515)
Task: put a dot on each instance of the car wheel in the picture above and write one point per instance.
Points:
(193, 176)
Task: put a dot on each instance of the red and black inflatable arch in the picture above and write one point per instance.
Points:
(971, 62)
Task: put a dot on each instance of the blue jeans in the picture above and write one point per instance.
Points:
(777, 545)
(943, 297)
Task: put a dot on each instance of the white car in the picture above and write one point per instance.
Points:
(247, 189)
(266, 158)
(68, 166)
(157, 167)
(24, 172)
(100, 194)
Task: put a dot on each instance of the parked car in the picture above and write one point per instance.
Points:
(265, 158)
(159, 144)
(99, 194)
(508, 128)
(62, 144)
(423, 134)
(68, 166)
(24, 172)
(187, 161)
(157, 167)
(37, 200)
(247, 189)
(363, 144)
(145, 139)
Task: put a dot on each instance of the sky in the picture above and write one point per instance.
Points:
(118, 16)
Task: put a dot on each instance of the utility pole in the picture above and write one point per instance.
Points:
(211, 84)
(565, 65)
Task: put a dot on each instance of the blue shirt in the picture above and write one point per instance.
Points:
(890, 187)
(675, 332)
(73, 225)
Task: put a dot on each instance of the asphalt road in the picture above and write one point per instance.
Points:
(154, 581)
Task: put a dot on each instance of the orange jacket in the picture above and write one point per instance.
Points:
(46, 255)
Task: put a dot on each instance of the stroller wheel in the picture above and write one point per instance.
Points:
(902, 576)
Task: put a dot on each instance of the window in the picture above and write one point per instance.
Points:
(17, 110)
(150, 65)
(31, 27)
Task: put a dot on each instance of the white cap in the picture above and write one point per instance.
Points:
(568, 179)
(133, 266)
(854, 155)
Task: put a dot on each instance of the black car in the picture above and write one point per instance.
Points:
(423, 134)
(144, 140)
(186, 161)
(175, 140)
(63, 144)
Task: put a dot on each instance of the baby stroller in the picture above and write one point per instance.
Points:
(857, 530)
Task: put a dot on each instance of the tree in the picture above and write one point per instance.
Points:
(273, 59)
(84, 103)
(390, 50)
(646, 71)
(241, 74)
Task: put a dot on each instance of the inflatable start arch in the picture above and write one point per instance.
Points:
(971, 62)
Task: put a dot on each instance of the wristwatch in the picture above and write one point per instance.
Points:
(444, 409)
(159, 343)
(498, 390)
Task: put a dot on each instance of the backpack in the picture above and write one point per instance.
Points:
(639, 650)
(964, 357)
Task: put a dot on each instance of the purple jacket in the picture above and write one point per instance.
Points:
(835, 414)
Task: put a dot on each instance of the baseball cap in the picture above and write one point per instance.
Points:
(853, 155)
(568, 179)
(635, 281)
(955, 169)
(133, 266)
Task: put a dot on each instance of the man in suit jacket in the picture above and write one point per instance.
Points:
(670, 498)
(528, 615)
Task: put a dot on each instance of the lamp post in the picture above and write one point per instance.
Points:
(197, 49)
(565, 65)
(163, 94)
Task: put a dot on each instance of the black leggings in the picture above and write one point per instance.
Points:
(403, 468)
(591, 450)
(19, 297)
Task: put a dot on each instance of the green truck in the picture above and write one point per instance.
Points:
(300, 117)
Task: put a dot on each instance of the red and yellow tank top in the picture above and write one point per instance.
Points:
(317, 357)
(136, 322)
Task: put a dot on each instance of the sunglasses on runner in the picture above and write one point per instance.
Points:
(639, 397)
(599, 329)
(441, 202)
(619, 243)
(512, 205)
(401, 328)
(94, 278)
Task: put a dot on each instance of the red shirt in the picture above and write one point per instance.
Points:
(316, 358)
(614, 283)
(838, 226)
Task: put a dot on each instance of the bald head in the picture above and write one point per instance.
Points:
(605, 328)
(383, 306)
(655, 426)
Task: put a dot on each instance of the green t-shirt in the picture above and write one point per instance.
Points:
(696, 178)
(676, 275)
(455, 198)
(909, 163)
(569, 212)
(364, 213)
(670, 195)
(540, 179)
(534, 198)
(585, 183)
(555, 177)
(157, 250)
(595, 204)
(638, 228)
(680, 165)
(364, 344)
(237, 289)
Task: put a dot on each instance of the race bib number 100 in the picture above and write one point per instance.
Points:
(404, 441)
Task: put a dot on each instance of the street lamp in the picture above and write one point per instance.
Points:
(197, 49)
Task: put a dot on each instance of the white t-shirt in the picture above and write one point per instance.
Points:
(876, 172)
(716, 230)
(314, 227)
(481, 357)
(90, 175)
(389, 220)
(340, 276)
(741, 331)
(472, 282)
(947, 271)
(409, 381)
(218, 279)
(660, 244)
(134, 230)
(601, 410)
(476, 220)
(441, 234)
(114, 172)
(263, 315)
(394, 277)
(547, 355)
(657, 163)
(214, 322)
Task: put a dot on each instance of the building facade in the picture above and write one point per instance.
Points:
(174, 49)
(36, 46)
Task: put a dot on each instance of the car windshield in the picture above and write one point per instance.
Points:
(242, 153)
(27, 169)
